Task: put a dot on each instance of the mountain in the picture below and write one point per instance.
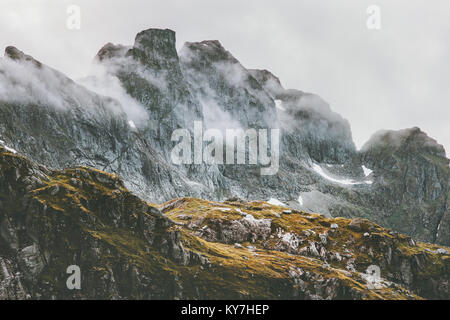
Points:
(187, 248)
(121, 120)
(414, 174)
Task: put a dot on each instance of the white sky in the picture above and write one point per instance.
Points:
(392, 78)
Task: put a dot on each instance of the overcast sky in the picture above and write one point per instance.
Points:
(392, 78)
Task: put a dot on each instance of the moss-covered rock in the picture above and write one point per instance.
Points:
(190, 248)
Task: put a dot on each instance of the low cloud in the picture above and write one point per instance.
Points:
(103, 80)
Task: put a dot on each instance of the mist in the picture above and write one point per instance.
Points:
(393, 78)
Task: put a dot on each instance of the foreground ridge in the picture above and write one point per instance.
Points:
(190, 248)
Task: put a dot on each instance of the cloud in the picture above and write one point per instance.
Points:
(103, 80)
(30, 82)
(393, 78)
(23, 82)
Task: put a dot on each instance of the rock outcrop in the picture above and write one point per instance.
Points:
(189, 248)
(412, 175)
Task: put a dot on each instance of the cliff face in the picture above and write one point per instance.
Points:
(53, 219)
(60, 123)
(189, 248)
(226, 90)
(413, 174)
(312, 129)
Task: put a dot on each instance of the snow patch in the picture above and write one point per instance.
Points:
(276, 202)
(318, 169)
(131, 124)
(6, 147)
(345, 181)
(300, 200)
(367, 171)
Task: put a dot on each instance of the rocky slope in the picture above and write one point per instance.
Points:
(412, 173)
(189, 248)
(400, 183)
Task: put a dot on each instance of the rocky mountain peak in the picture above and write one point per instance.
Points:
(150, 73)
(410, 138)
(209, 50)
(17, 55)
(403, 185)
(110, 50)
(414, 170)
(226, 87)
(268, 81)
(157, 42)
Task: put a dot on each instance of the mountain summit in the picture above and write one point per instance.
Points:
(121, 120)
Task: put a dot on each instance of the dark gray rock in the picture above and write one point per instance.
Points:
(64, 124)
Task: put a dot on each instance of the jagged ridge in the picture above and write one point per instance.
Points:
(409, 183)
